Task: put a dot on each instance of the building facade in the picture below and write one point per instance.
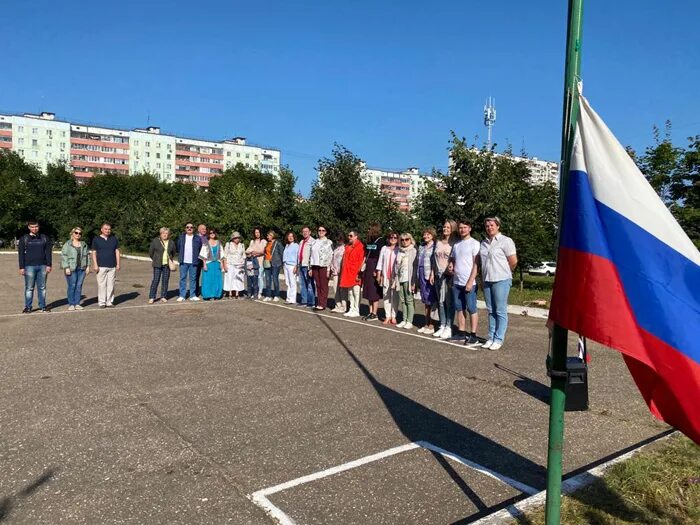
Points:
(403, 186)
(91, 150)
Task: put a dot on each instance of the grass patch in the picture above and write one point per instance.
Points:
(660, 485)
(535, 288)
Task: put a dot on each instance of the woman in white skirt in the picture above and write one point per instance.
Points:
(235, 279)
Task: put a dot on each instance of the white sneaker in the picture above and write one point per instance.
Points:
(276, 300)
(446, 333)
(180, 299)
(195, 298)
(353, 314)
(71, 308)
(428, 330)
(488, 344)
(78, 307)
(260, 297)
(495, 346)
(421, 330)
(401, 324)
(266, 300)
(438, 332)
(408, 326)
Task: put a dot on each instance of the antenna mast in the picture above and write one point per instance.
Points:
(489, 118)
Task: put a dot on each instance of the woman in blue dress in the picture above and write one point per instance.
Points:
(212, 274)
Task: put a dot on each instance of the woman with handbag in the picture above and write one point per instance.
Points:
(75, 262)
(161, 251)
(441, 278)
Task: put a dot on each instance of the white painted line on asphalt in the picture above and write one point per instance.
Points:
(261, 499)
(567, 487)
(475, 466)
(398, 331)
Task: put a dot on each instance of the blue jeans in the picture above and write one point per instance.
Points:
(464, 300)
(446, 310)
(308, 289)
(188, 272)
(34, 276)
(496, 297)
(253, 286)
(75, 286)
(272, 281)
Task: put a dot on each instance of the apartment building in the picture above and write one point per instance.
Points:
(40, 139)
(403, 186)
(152, 152)
(92, 150)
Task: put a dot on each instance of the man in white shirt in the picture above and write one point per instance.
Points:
(306, 282)
(463, 267)
(188, 247)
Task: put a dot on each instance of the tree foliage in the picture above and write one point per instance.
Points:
(481, 184)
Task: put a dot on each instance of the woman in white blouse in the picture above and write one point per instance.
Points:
(234, 280)
(320, 262)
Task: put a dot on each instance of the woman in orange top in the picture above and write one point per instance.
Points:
(350, 276)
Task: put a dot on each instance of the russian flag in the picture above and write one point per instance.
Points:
(628, 276)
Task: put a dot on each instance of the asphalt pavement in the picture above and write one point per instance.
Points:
(239, 411)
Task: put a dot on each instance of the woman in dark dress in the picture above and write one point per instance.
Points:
(371, 289)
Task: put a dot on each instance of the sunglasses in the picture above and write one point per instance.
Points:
(78, 233)
(393, 236)
(321, 230)
(189, 227)
(405, 239)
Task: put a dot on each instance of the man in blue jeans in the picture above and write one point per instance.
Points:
(306, 282)
(463, 266)
(188, 246)
(34, 250)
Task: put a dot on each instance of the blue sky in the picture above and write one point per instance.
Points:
(388, 80)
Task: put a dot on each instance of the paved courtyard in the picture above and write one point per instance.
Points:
(247, 412)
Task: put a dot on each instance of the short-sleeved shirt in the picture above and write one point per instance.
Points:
(442, 254)
(105, 249)
(494, 258)
(463, 253)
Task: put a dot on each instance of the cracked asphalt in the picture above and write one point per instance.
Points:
(177, 413)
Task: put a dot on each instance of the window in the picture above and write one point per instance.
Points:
(158, 145)
(48, 132)
(21, 152)
(48, 155)
(136, 143)
(20, 129)
(35, 154)
(238, 155)
(228, 153)
(35, 143)
(247, 155)
(148, 154)
(34, 131)
(256, 157)
(63, 145)
(63, 133)
(148, 144)
(167, 156)
(158, 165)
(157, 155)
(49, 144)
(148, 164)
(20, 141)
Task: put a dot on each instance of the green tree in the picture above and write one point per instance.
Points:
(342, 199)
(286, 213)
(660, 164)
(240, 199)
(18, 183)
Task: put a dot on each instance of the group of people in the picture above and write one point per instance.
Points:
(442, 270)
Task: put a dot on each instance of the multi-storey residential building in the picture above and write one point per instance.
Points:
(403, 186)
(41, 139)
(95, 150)
(198, 161)
(151, 152)
(541, 171)
(90, 150)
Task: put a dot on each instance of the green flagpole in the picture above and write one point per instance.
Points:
(559, 334)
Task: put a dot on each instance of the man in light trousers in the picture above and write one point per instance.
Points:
(105, 262)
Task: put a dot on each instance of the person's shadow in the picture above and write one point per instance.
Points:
(419, 423)
(527, 385)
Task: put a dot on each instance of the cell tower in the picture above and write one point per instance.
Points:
(489, 118)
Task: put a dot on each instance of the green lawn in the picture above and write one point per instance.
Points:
(660, 485)
(535, 288)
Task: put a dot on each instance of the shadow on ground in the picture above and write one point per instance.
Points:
(419, 423)
(9, 502)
